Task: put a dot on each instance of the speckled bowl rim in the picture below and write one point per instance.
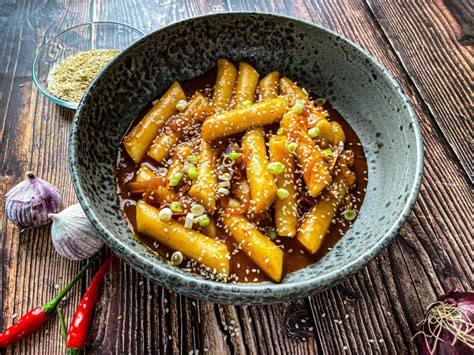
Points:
(284, 291)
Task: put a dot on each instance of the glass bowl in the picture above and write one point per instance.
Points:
(80, 38)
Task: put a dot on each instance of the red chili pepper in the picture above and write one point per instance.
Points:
(35, 318)
(79, 328)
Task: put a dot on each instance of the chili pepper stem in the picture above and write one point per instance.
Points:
(35, 318)
(73, 351)
(49, 307)
(62, 323)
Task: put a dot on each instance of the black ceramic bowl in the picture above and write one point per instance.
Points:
(325, 63)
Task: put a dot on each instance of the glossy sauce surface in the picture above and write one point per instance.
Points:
(242, 268)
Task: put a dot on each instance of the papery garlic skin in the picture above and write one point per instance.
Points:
(29, 203)
(73, 235)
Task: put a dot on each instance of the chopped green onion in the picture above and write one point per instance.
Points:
(227, 162)
(204, 221)
(328, 152)
(234, 203)
(298, 107)
(165, 214)
(181, 105)
(175, 206)
(349, 215)
(198, 210)
(176, 179)
(187, 166)
(192, 172)
(276, 168)
(230, 159)
(225, 184)
(280, 131)
(177, 258)
(305, 91)
(198, 218)
(248, 103)
(313, 132)
(225, 177)
(234, 156)
(223, 191)
(188, 221)
(291, 147)
(282, 193)
(320, 101)
(193, 159)
(272, 235)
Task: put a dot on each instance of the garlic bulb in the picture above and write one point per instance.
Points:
(74, 236)
(29, 203)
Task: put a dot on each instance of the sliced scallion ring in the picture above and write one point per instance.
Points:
(225, 177)
(175, 206)
(188, 221)
(225, 184)
(193, 159)
(291, 147)
(192, 172)
(320, 101)
(165, 214)
(298, 107)
(198, 210)
(181, 105)
(223, 191)
(176, 179)
(349, 215)
(204, 221)
(282, 193)
(313, 132)
(328, 152)
(177, 258)
(276, 167)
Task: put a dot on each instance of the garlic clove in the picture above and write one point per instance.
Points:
(28, 203)
(73, 235)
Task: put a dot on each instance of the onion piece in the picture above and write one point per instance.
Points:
(448, 326)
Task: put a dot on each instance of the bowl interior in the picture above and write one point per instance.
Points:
(80, 38)
(324, 63)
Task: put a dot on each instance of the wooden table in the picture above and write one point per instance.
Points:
(427, 45)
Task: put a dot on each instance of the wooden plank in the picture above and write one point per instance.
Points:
(438, 229)
(34, 134)
(433, 42)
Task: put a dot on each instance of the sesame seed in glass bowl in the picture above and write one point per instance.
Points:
(66, 64)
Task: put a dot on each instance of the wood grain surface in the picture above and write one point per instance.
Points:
(427, 45)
